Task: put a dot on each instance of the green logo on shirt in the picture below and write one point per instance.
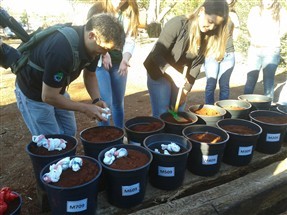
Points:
(58, 76)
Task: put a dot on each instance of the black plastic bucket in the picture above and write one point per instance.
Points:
(205, 158)
(167, 171)
(175, 127)
(93, 149)
(235, 109)
(283, 109)
(205, 118)
(39, 161)
(243, 136)
(14, 206)
(258, 102)
(137, 137)
(272, 136)
(126, 188)
(80, 199)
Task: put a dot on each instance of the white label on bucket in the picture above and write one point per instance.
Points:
(272, 137)
(166, 171)
(131, 190)
(77, 206)
(243, 151)
(209, 160)
(134, 143)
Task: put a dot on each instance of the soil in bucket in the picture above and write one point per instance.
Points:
(76, 191)
(243, 136)
(274, 125)
(95, 139)
(13, 201)
(126, 177)
(235, 109)
(167, 171)
(208, 145)
(174, 126)
(258, 102)
(208, 114)
(140, 127)
(40, 156)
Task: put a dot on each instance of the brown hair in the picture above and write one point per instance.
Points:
(275, 8)
(128, 7)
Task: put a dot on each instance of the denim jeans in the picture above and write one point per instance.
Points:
(163, 93)
(112, 87)
(283, 95)
(266, 59)
(221, 72)
(42, 118)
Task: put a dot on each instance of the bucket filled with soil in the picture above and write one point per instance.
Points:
(208, 114)
(95, 139)
(258, 102)
(140, 127)
(208, 145)
(126, 169)
(175, 125)
(274, 125)
(235, 109)
(243, 136)
(71, 184)
(170, 153)
(41, 156)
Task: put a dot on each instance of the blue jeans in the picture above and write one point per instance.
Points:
(42, 118)
(112, 89)
(163, 93)
(221, 72)
(266, 59)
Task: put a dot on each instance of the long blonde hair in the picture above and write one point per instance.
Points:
(275, 8)
(131, 12)
(208, 43)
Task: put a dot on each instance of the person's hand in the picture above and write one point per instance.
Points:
(176, 76)
(95, 112)
(123, 69)
(107, 61)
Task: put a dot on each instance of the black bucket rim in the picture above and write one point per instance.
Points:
(123, 146)
(105, 126)
(168, 134)
(278, 108)
(74, 187)
(211, 127)
(17, 210)
(144, 132)
(55, 155)
(242, 120)
(271, 124)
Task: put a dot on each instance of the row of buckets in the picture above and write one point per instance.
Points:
(126, 188)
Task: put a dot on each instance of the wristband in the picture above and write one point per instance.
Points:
(96, 100)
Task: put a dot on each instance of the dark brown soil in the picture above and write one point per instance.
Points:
(43, 151)
(133, 160)
(181, 120)
(102, 134)
(239, 129)
(69, 178)
(278, 120)
(205, 137)
(146, 127)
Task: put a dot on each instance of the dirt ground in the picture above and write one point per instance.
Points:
(15, 165)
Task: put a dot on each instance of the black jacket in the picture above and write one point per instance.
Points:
(170, 50)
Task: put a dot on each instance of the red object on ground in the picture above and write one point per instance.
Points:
(6, 196)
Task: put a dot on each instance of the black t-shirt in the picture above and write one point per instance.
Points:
(54, 54)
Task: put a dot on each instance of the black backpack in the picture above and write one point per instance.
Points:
(26, 47)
